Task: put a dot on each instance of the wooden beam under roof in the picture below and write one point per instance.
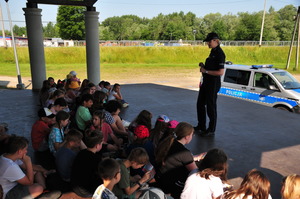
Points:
(87, 3)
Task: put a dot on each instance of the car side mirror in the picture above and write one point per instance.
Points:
(273, 87)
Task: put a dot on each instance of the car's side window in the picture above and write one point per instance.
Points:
(237, 76)
(262, 80)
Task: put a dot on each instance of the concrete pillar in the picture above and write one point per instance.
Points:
(92, 45)
(33, 18)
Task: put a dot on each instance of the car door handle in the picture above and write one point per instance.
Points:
(253, 89)
(243, 87)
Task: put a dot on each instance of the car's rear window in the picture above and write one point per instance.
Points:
(237, 76)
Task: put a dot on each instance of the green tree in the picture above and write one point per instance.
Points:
(248, 27)
(105, 34)
(189, 19)
(177, 25)
(231, 22)
(286, 23)
(207, 22)
(19, 31)
(70, 21)
(125, 27)
(220, 28)
(50, 30)
(6, 32)
(114, 26)
(271, 19)
(157, 26)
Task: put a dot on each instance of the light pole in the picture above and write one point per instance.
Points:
(194, 32)
(2, 25)
(20, 85)
(262, 24)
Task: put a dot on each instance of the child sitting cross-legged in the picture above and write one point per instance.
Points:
(83, 116)
(115, 94)
(109, 170)
(84, 178)
(18, 176)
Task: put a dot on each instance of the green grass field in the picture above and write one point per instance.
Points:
(122, 61)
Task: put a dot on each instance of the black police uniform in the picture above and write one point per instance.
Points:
(207, 98)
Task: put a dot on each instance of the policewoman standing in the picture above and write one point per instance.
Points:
(211, 71)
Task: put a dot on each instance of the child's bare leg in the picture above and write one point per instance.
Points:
(35, 190)
(119, 123)
(111, 147)
(40, 179)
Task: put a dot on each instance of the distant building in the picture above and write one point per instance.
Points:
(20, 41)
(23, 41)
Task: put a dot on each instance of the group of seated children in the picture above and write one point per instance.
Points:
(81, 100)
(142, 155)
(88, 174)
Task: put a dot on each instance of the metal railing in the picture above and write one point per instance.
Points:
(66, 43)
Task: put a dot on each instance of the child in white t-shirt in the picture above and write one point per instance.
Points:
(115, 94)
(208, 182)
(18, 176)
(109, 170)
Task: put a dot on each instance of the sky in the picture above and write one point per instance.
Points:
(148, 9)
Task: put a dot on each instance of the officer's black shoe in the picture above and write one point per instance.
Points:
(198, 129)
(201, 132)
(208, 134)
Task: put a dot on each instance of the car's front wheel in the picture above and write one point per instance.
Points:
(283, 108)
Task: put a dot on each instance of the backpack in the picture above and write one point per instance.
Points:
(153, 193)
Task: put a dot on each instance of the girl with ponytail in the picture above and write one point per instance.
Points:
(174, 161)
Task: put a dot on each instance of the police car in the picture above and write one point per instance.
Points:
(262, 84)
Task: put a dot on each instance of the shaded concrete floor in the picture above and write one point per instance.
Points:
(252, 135)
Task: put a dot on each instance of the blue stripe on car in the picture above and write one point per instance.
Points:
(255, 96)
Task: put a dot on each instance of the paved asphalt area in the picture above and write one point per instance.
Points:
(252, 135)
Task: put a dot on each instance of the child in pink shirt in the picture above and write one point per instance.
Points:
(108, 135)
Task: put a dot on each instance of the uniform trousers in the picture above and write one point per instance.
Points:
(207, 104)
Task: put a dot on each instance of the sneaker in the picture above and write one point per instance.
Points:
(125, 105)
(208, 134)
